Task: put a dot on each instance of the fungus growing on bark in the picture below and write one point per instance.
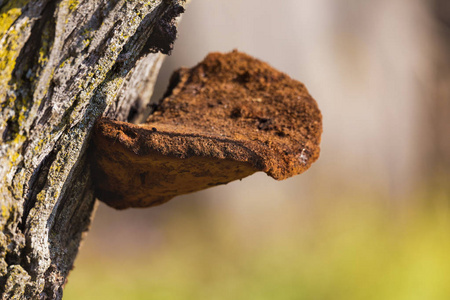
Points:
(224, 119)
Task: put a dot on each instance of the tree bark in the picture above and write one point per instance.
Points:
(63, 64)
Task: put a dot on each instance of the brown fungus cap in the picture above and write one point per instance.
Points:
(226, 118)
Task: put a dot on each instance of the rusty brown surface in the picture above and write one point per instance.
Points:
(224, 119)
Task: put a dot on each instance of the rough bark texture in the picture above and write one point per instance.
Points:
(63, 64)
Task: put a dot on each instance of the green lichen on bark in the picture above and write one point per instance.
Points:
(16, 283)
(11, 38)
(63, 64)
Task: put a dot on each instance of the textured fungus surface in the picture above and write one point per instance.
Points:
(224, 119)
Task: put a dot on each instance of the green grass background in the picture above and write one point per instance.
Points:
(348, 248)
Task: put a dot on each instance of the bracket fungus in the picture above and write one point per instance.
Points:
(226, 118)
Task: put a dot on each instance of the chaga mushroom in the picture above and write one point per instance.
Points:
(224, 119)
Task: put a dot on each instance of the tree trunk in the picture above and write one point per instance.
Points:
(63, 64)
(438, 111)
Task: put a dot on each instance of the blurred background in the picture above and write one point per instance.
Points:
(369, 220)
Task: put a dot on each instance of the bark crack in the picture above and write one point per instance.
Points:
(36, 185)
(30, 62)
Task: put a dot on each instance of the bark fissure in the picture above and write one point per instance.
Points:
(36, 185)
(28, 67)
